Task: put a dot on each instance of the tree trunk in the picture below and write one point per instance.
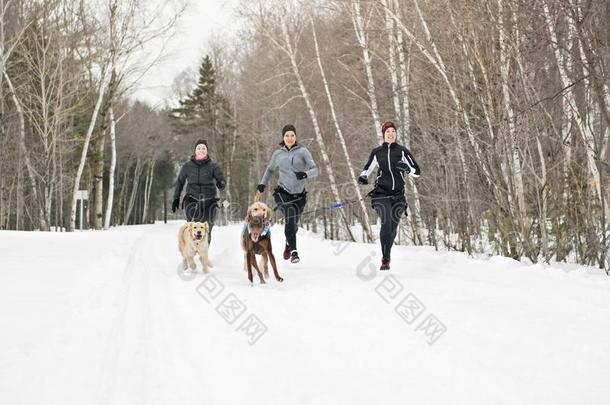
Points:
(229, 168)
(389, 26)
(18, 192)
(97, 213)
(361, 36)
(515, 163)
(52, 181)
(134, 190)
(543, 204)
(564, 61)
(403, 112)
(404, 62)
(122, 197)
(8, 203)
(587, 55)
(111, 174)
(98, 180)
(44, 226)
(319, 139)
(2, 204)
(83, 158)
(147, 191)
(603, 102)
(364, 218)
(165, 206)
(437, 62)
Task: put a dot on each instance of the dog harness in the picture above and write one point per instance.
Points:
(264, 235)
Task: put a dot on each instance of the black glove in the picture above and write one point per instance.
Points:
(403, 167)
(175, 204)
(300, 175)
(221, 184)
(261, 188)
(363, 180)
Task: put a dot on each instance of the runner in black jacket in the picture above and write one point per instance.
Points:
(394, 162)
(204, 176)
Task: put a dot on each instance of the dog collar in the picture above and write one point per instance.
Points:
(265, 231)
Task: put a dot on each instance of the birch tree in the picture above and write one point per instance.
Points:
(6, 50)
(401, 104)
(365, 220)
(358, 22)
(517, 179)
(286, 43)
(113, 158)
(564, 61)
(83, 158)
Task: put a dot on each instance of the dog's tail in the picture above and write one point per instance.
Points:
(257, 196)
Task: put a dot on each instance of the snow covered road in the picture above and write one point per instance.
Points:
(105, 318)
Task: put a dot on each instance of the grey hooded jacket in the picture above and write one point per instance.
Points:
(289, 161)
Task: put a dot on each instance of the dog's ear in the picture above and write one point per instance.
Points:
(206, 227)
(189, 227)
(268, 213)
(248, 215)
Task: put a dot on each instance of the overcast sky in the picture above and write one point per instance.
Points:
(202, 19)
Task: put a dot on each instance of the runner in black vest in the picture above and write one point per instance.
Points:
(394, 162)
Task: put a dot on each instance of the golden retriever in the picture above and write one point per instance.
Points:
(193, 240)
(256, 240)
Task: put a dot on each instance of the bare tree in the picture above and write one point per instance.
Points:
(113, 159)
(83, 158)
(358, 22)
(364, 220)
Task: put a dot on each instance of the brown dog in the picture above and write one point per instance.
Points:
(192, 240)
(256, 239)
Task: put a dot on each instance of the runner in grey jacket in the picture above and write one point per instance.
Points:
(294, 164)
(288, 162)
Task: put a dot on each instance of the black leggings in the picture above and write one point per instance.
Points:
(203, 210)
(291, 206)
(390, 209)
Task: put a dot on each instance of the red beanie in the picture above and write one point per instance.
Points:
(386, 125)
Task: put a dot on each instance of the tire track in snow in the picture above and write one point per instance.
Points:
(148, 348)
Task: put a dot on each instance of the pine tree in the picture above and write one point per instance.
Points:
(204, 113)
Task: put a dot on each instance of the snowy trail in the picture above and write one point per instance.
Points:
(104, 318)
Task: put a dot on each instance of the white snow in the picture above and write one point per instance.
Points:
(104, 318)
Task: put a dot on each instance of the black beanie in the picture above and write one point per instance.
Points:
(201, 141)
(288, 127)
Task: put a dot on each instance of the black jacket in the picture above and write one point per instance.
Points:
(389, 179)
(202, 176)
